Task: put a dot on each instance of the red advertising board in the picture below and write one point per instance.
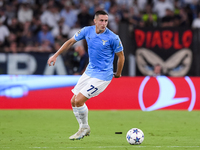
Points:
(140, 93)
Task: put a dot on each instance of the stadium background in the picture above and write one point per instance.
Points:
(24, 50)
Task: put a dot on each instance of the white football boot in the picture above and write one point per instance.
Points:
(80, 134)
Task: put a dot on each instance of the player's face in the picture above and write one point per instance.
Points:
(101, 23)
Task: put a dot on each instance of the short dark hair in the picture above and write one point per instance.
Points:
(100, 12)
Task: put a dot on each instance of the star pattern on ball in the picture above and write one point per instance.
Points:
(135, 131)
(137, 139)
(128, 137)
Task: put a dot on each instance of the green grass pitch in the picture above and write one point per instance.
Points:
(50, 129)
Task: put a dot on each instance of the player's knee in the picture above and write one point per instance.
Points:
(73, 101)
(80, 99)
(78, 103)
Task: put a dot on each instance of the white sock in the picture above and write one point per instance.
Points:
(75, 111)
(83, 114)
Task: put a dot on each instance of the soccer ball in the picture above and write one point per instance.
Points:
(135, 136)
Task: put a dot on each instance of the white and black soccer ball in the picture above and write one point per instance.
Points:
(135, 136)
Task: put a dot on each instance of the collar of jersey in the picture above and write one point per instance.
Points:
(100, 33)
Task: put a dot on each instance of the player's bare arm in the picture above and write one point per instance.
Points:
(64, 47)
(120, 64)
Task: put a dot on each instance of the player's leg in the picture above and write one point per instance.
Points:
(82, 109)
(75, 111)
(81, 83)
(76, 114)
(93, 88)
(83, 80)
(81, 115)
(86, 88)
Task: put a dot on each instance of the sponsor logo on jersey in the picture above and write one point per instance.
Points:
(120, 44)
(77, 33)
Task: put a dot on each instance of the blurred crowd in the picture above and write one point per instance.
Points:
(44, 25)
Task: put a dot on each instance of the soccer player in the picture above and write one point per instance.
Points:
(103, 44)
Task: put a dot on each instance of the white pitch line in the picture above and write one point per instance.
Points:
(103, 147)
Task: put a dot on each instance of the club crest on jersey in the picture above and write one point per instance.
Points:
(104, 42)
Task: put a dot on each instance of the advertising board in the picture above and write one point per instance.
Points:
(137, 93)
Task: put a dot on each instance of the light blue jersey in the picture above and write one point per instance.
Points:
(101, 49)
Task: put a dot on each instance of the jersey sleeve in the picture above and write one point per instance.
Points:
(80, 35)
(117, 44)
